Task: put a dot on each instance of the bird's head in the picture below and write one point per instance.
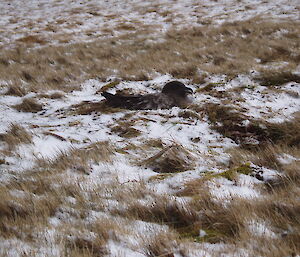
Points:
(180, 93)
(178, 88)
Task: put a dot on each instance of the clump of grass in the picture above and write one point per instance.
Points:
(80, 159)
(125, 27)
(160, 177)
(282, 211)
(126, 130)
(184, 71)
(84, 247)
(15, 90)
(32, 39)
(275, 78)
(209, 87)
(222, 222)
(16, 135)
(56, 95)
(287, 133)
(189, 114)
(266, 156)
(229, 123)
(161, 244)
(162, 210)
(171, 159)
(20, 212)
(29, 105)
(288, 179)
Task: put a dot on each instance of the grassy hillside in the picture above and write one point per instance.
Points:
(220, 177)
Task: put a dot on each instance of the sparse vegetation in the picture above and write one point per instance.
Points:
(130, 182)
(230, 123)
(58, 70)
(29, 105)
(15, 91)
(275, 78)
(171, 159)
(16, 135)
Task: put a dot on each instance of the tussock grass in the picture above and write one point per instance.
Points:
(29, 105)
(287, 180)
(86, 248)
(16, 135)
(21, 212)
(162, 244)
(266, 156)
(79, 160)
(126, 130)
(229, 123)
(56, 95)
(15, 90)
(32, 39)
(162, 210)
(42, 196)
(276, 78)
(173, 158)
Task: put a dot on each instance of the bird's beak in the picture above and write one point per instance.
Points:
(188, 90)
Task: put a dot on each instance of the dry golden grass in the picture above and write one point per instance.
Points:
(43, 192)
(79, 160)
(16, 135)
(277, 78)
(15, 90)
(203, 48)
(171, 159)
(32, 39)
(162, 244)
(56, 95)
(126, 130)
(229, 122)
(266, 156)
(41, 196)
(29, 105)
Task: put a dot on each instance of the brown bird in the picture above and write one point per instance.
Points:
(174, 93)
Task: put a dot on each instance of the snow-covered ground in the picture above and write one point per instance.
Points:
(59, 128)
(76, 21)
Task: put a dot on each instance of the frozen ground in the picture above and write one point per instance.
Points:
(68, 21)
(79, 131)
(59, 128)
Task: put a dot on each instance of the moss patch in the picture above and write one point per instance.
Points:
(232, 173)
(193, 233)
(108, 86)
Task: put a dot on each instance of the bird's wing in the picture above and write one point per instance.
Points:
(137, 102)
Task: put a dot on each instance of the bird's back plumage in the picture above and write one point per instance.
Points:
(173, 94)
